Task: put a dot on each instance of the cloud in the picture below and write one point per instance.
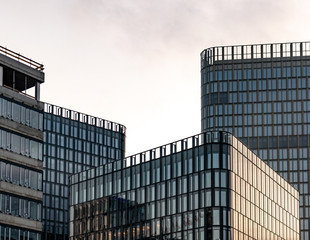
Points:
(158, 25)
(134, 61)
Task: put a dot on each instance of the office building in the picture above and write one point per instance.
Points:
(73, 142)
(31, 131)
(21, 147)
(261, 94)
(209, 186)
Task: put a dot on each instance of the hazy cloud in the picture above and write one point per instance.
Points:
(137, 61)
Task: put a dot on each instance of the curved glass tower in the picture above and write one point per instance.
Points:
(208, 186)
(261, 94)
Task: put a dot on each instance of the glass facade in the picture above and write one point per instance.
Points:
(209, 186)
(261, 94)
(21, 207)
(21, 155)
(21, 114)
(73, 142)
(20, 175)
(12, 233)
(21, 145)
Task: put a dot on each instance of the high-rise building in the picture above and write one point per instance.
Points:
(21, 147)
(66, 141)
(261, 94)
(73, 142)
(209, 186)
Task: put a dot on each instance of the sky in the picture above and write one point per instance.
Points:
(137, 62)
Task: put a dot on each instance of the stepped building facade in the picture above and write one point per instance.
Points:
(63, 174)
(261, 94)
(209, 186)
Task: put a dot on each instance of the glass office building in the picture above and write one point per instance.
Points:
(209, 186)
(73, 142)
(261, 94)
(21, 147)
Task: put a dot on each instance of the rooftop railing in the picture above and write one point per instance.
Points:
(175, 147)
(180, 145)
(84, 118)
(155, 153)
(20, 58)
(257, 51)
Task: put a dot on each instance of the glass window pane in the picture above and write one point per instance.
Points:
(33, 210)
(16, 143)
(14, 206)
(215, 156)
(14, 234)
(16, 112)
(34, 121)
(15, 174)
(34, 149)
(33, 179)
(216, 217)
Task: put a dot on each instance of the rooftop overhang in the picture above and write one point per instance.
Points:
(20, 75)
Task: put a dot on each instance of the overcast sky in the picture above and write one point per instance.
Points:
(137, 62)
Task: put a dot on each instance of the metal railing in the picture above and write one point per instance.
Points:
(20, 58)
(84, 118)
(256, 51)
(156, 153)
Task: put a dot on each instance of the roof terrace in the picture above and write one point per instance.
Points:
(20, 73)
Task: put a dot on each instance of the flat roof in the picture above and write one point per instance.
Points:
(22, 65)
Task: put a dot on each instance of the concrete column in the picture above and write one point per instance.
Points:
(1, 76)
(37, 91)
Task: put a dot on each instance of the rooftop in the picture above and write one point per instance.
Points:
(20, 73)
(84, 118)
(20, 58)
(209, 137)
(254, 51)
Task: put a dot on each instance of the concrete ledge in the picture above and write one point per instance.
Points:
(20, 222)
(21, 191)
(21, 67)
(22, 98)
(20, 128)
(20, 159)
